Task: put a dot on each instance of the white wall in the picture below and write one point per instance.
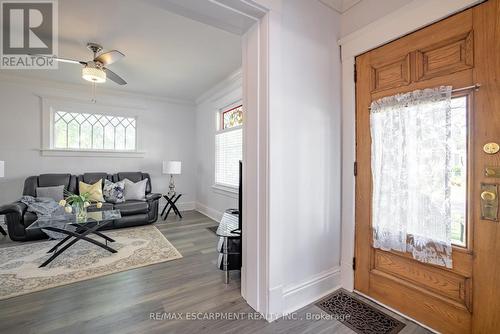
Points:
(367, 11)
(304, 154)
(166, 130)
(211, 201)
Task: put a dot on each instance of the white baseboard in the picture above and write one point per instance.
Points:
(186, 206)
(299, 295)
(209, 212)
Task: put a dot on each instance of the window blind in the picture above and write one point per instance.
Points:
(228, 152)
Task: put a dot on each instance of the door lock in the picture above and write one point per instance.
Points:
(489, 201)
(488, 196)
(491, 148)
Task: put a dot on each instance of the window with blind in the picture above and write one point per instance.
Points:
(228, 146)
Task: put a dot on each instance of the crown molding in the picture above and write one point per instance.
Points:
(234, 80)
(340, 6)
(21, 80)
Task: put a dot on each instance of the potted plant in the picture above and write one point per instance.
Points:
(78, 204)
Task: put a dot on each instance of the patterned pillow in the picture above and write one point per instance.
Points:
(94, 190)
(113, 192)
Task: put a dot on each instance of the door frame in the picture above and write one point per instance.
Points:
(255, 90)
(401, 22)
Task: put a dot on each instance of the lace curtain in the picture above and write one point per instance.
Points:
(411, 172)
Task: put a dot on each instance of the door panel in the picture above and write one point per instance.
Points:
(441, 282)
(391, 74)
(486, 234)
(449, 56)
(458, 51)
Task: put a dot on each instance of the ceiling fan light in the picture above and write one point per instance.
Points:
(93, 74)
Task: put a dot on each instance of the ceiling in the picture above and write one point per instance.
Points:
(167, 55)
(340, 6)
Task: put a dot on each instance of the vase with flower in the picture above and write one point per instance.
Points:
(78, 205)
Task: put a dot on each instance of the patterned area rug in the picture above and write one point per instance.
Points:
(358, 315)
(136, 246)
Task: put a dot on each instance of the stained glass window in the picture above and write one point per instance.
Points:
(232, 117)
(94, 132)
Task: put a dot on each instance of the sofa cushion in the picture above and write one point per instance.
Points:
(135, 190)
(29, 218)
(105, 207)
(92, 178)
(114, 192)
(132, 207)
(134, 177)
(93, 190)
(49, 180)
(56, 192)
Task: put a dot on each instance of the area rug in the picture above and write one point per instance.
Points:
(136, 247)
(359, 316)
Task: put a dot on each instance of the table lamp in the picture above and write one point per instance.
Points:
(172, 168)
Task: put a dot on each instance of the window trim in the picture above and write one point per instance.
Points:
(224, 189)
(52, 104)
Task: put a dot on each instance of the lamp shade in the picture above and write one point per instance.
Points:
(2, 169)
(171, 167)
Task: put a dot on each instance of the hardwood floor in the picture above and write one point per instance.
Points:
(125, 302)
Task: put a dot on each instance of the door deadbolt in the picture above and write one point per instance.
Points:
(491, 148)
(489, 201)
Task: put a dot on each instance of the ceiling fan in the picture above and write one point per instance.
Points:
(96, 70)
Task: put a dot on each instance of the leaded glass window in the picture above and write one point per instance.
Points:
(94, 132)
(232, 117)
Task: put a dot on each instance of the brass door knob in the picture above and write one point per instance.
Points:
(488, 196)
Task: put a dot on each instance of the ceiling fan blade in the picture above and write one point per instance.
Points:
(71, 61)
(114, 77)
(109, 57)
(62, 60)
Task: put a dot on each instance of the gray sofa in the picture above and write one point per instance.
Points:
(134, 213)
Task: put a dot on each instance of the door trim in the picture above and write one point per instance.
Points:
(405, 20)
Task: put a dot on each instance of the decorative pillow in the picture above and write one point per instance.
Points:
(56, 193)
(135, 191)
(94, 190)
(113, 192)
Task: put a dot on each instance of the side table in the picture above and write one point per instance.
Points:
(229, 245)
(171, 206)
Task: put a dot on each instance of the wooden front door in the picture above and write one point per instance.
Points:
(460, 51)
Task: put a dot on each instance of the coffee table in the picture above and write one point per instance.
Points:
(76, 230)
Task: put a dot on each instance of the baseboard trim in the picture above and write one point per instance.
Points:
(209, 212)
(186, 206)
(299, 295)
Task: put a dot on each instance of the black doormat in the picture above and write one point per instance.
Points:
(213, 229)
(358, 315)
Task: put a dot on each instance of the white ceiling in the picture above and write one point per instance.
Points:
(340, 6)
(167, 54)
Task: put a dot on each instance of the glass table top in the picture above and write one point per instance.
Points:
(228, 223)
(63, 220)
